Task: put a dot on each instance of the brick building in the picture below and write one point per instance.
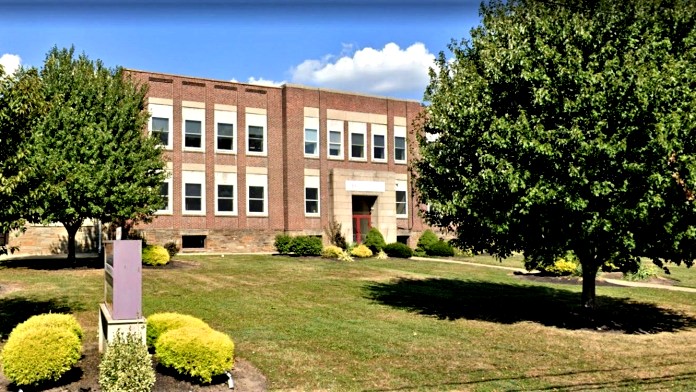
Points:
(248, 162)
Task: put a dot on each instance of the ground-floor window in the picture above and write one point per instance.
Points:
(192, 241)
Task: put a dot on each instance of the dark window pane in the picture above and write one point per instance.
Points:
(311, 193)
(255, 205)
(400, 148)
(225, 205)
(225, 129)
(357, 139)
(379, 140)
(225, 190)
(310, 148)
(160, 129)
(256, 192)
(356, 152)
(255, 139)
(334, 151)
(193, 204)
(164, 189)
(193, 189)
(193, 141)
(378, 152)
(312, 207)
(193, 241)
(224, 143)
(401, 196)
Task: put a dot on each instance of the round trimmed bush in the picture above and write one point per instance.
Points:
(331, 252)
(282, 243)
(440, 248)
(159, 323)
(361, 251)
(40, 354)
(427, 239)
(374, 240)
(59, 320)
(155, 255)
(306, 246)
(126, 365)
(397, 249)
(200, 353)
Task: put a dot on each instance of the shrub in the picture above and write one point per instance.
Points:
(645, 271)
(333, 231)
(345, 256)
(561, 267)
(397, 249)
(200, 353)
(282, 243)
(306, 246)
(374, 240)
(59, 320)
(331, 252)
(159, 323)
(381, 255)
(43, 353)
(126, 365)
(361, 251)
(427, 239)
(172, 248)
(155, 255)
(440, 248)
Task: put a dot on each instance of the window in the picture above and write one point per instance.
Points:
(311, 137)
(311, 195)
(225, 131)
(379, 142)
(256, 133)
(160, 123)
(193, 241)
(194, 192)
(194, 126)
(335, 138)
(357, 140)
(400, 144)
(401, 200)
(257, 196)
(225, 193)
(166, 193)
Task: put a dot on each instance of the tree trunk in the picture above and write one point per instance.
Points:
(72, 231)
(589, 276)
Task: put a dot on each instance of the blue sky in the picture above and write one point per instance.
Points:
(379, 47)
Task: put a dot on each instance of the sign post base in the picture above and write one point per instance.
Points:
(109, 328)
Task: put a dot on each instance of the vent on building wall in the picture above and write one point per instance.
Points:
(187, 83)
(160, 80)
(253, 90)
(221, 87)
(192, 241)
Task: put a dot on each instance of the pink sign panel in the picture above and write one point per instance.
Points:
(123, 279)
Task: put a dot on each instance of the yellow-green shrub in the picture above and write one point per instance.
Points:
(155, 255)
(197, 352)
(159, 323)
(331, 252)
(126, 365)
(361, 251)
(40, 354)
(562, 267)
(60, 320)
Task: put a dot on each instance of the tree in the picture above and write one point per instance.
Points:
(89, 154)
(567, 126)
(19, 105)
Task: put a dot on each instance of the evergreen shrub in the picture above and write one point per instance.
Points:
(397, 249)
(440, 248)
(282, 243)
(426, 239)
(155, 255)
(306, 246)
(374, 240)
(126, 366)
(159, 323)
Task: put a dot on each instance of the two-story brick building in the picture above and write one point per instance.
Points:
(247, 162)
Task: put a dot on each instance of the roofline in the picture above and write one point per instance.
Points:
(282, 86)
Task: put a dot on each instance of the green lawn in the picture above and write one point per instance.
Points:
(312, 324)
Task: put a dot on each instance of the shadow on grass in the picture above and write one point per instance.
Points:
(52, 263)
(451, 299)
(71, 376)
(18, 309)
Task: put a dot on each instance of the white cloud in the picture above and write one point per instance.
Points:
(386, 71)
(264, 82)
(10, 62)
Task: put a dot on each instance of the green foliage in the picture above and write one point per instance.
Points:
(361, 251)
(172, 248)
(126, 365)
(645, 271)
(426, 239)
(200, 353)
(87, 155)
(397, 249)
(331, 252)
(282, 243)
(336, 237)
(159, 323)
(41, 351)
(59, 320)
(566, 128)
(345, 256)
(374, 240)
(382, 255)
(562, 267)
(155, 255)
(306, 246)
(440, 248)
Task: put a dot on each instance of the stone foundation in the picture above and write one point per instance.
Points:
(217, 241)
(53, 240)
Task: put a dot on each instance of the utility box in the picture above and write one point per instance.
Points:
(122, 310)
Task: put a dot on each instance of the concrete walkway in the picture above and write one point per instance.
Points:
(617, 282)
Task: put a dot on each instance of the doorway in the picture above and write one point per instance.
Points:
(362, 217)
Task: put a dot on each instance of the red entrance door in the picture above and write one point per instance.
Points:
(361, 225)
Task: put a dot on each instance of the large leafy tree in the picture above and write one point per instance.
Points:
(567, 126)
(89, 155)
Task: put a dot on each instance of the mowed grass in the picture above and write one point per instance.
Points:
(313, 324)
